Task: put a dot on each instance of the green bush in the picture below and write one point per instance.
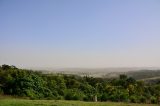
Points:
(114, 98)
(142, 99)
(123, 96)
(60, 98)
(104, 97)
(87, 98)
(74, 94)
(1, 91)
(153, 100)
(133, 99)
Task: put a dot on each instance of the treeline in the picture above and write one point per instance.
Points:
(35, 85)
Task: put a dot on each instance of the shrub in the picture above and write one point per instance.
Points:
(30, 93)
(114, 98)
(142, 99)
(74, 94)
(123, 96)
(1, 91)
(47, 93)
(104, 97)
(60, 98)
(133, 99)
(153, 100)
(88, 97)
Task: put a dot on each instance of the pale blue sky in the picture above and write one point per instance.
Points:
(80, 33)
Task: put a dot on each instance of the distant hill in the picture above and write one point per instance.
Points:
(149, 76)
(142, 73)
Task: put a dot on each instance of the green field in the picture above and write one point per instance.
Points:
(23, 102)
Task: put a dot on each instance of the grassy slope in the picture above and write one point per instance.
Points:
(23, 102)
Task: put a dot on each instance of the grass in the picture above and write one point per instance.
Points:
(25, 102)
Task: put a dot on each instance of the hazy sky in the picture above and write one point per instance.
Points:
(80, 33)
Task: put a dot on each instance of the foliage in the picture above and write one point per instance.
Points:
(36, 85)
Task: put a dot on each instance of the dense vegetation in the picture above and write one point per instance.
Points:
(35, 85)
